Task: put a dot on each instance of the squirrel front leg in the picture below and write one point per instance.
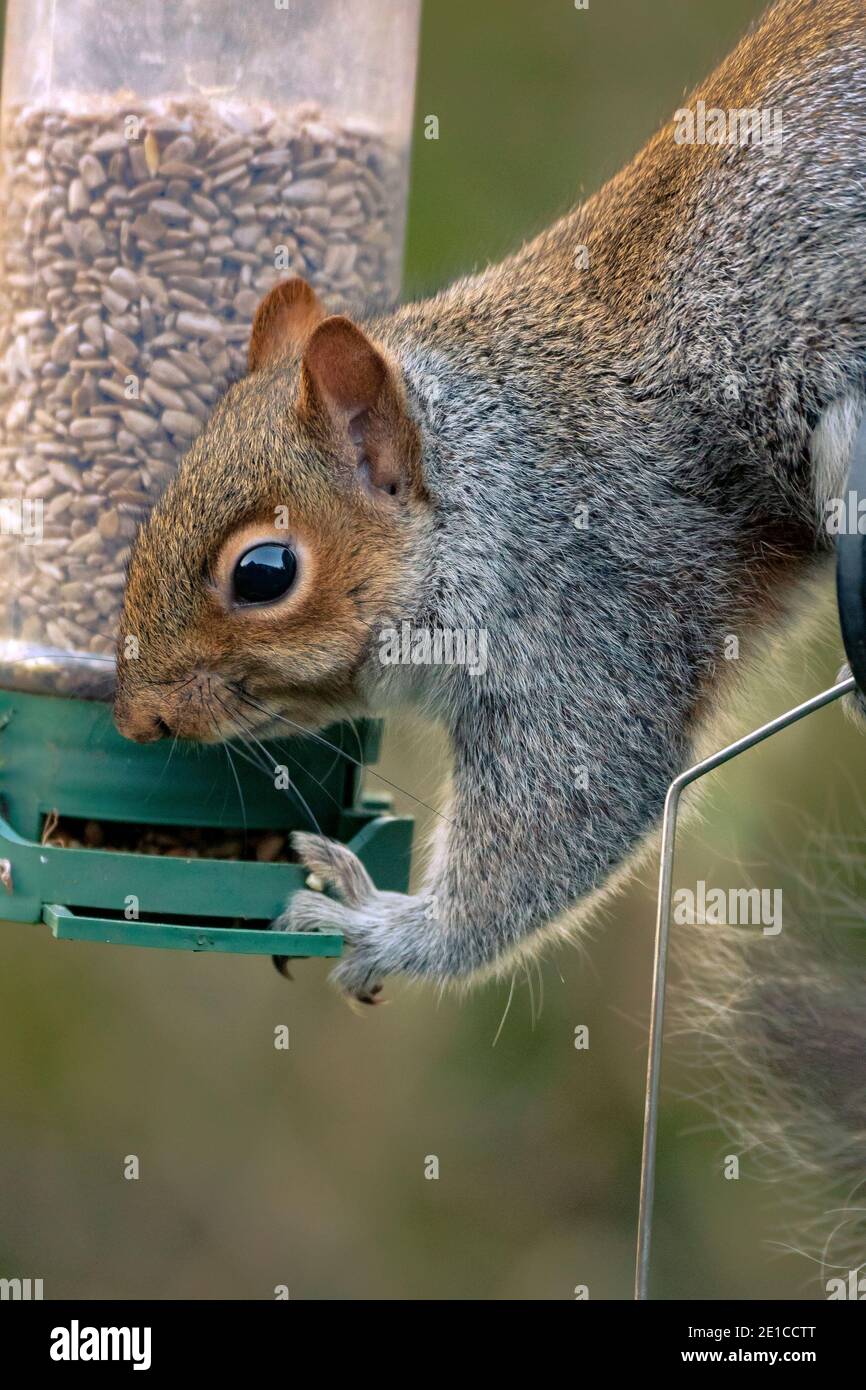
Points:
(469, 913)
(523, 839)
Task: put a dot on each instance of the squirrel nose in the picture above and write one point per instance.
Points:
(141, 726)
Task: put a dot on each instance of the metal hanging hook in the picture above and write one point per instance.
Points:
(657, 1011)
(851, 596)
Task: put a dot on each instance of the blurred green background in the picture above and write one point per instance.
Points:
(306, 1168)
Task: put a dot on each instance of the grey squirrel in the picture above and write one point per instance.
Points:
(606, 453)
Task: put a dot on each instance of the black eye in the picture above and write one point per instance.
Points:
(264, 573)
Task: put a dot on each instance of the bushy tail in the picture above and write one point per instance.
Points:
(781, 1024)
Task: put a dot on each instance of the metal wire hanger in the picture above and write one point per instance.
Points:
(851, 596)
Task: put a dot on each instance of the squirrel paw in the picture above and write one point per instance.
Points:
(358, 913)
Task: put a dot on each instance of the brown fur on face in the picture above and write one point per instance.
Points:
(281, 459)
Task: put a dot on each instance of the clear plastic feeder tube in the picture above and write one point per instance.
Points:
(164, 162)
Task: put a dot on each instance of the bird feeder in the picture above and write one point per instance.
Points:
(163, 166)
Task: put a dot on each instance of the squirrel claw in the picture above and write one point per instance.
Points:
(281, 965)
(370, 996)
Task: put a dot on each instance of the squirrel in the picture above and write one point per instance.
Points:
(605, 454)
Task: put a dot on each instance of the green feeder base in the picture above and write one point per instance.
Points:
(64, 756)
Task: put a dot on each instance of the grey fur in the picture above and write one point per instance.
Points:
(681, 412)
(693, 386)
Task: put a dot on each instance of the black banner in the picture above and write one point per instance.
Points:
(153, 1338)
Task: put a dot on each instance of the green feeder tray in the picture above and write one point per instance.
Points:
(63, 757)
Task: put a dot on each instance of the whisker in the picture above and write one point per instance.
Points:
(268, 766)
(166, 763)
(505, 1011)
(247, 753)
(528, 976)
(354, 727)
(237, 781)
(242, 733)
(293, 784)
(342, 753)
(326, 743)
(234, 771)
(337, 756)
(187, 682)
(281, 748)
(540, 977)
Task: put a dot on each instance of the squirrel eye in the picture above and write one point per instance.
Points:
(264, 573)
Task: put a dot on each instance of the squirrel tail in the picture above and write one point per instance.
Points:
(780, 1023)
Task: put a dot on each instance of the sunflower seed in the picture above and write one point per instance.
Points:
(132, 271)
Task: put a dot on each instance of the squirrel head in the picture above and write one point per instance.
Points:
(258, 582)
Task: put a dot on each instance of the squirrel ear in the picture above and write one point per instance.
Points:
(343, 373)
(343, 368)
(283, 322)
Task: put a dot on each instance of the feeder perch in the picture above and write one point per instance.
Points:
(63, 757)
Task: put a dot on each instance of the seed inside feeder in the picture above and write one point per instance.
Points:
(173, 842)
(131, 271)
